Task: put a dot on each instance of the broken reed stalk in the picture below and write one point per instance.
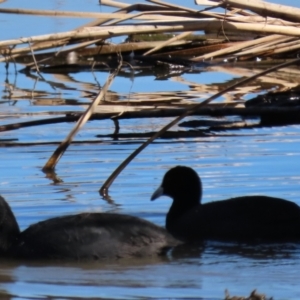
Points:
(266, 47)
(285, 48)
(53, 160)
(170, 5)
(113, 31)
(206, 2)
(258, 19)
(78, 14)
(168, 42)
(238, 46)
(113, 3)
(104, 189)
(265, 9)
(190, 10)
(88, 15)
(126, 8)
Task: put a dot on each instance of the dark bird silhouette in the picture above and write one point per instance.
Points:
(85, 236)
(247, 218)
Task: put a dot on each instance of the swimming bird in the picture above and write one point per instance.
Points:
(85, 236)
(255, 218)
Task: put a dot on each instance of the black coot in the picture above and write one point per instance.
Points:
(84, 236)
(256, 218)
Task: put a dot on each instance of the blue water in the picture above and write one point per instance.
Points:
(230, 163)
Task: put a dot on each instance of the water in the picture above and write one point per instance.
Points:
(231, 163)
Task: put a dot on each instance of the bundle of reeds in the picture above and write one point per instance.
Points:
(244, 30)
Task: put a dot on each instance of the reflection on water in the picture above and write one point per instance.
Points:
(197, 271)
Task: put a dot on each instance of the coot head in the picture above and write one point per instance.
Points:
(183, 185)
(9, 228)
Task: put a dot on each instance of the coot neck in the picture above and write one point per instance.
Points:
(181, 205)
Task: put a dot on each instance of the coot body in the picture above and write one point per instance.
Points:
(85, 236)
(247, 218)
